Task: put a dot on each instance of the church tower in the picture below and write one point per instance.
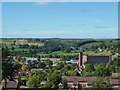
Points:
(80, 61)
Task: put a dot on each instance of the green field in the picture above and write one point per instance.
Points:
(77, 51)
(29, 58)
(43, 54)
(7, 40)
(21, 49)
(58, 52)
(52, 59)
(98, 53)
(21, 41)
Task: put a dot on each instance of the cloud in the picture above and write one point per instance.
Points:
(101, 27)
(41, 3)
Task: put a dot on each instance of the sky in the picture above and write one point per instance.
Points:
(60, 0)
(60, 19)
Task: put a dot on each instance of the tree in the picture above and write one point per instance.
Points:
(13, 48)
(54, 78)
(34, 79)
(19, 58)
(48, 62)
(88, 70)
(17, 66)
(41, 65)
(5, 53)
(24, 67)
(8, 68)
(64, 83)
(38, 58)
(60, 65)
(86, 74)
(101, 70)
(23, 59)
(101, 83)
(116, 62)
(111, 68)
(71, 73)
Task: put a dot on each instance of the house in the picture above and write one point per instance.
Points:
(23, 72)
(36, 70)
(12, 84)
(26, 72)
(85, 82)
(115, 74)
(79, 82)
(115, 83)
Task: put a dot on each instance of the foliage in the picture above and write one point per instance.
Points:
(24, 67)
(54, 78)
(102, 70)
(48, 62)
(33, 82)
(8, 68)
(64, 83)
(34, 79)
(71, 73)
(17, 66)
(41, 65)
(89, 68)
(116, 62)
(101, 83)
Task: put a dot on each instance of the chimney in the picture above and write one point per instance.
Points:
(80, 61)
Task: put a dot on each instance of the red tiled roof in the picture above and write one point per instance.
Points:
(89, 80)
(116, 74)
(115, 81)
(12, 84)
(36, 69)
(78, 79)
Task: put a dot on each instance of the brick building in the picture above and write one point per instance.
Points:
(93, 59)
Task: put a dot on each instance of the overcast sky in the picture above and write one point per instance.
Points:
(60, 19)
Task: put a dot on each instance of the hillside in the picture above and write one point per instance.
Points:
(59, 48)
